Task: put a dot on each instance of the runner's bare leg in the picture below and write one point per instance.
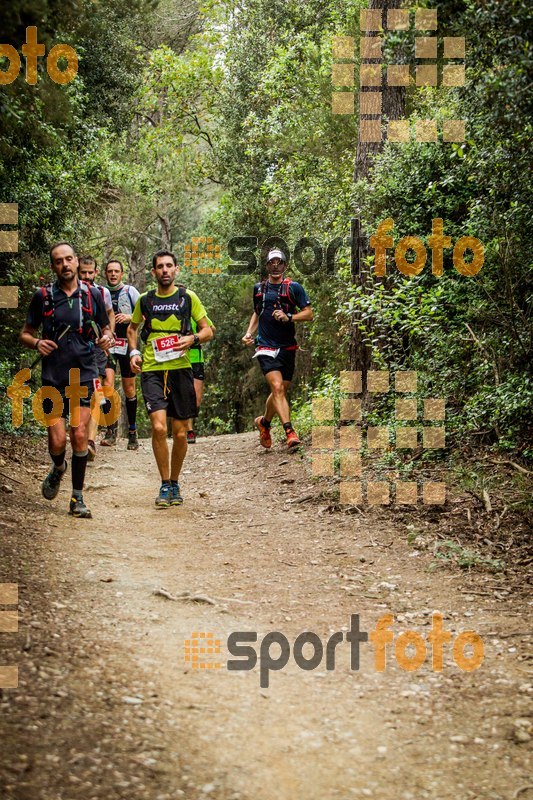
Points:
(277, 402)
(179, 446)
(158, 420)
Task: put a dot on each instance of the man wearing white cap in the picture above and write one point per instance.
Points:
(278, 303)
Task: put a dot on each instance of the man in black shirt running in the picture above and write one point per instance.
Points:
(72, 306)
(278, 303)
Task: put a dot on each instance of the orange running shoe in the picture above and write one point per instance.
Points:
(292, 440)
(264, 433)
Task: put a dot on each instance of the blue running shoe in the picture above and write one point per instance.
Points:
(164, 497)
(177, 499)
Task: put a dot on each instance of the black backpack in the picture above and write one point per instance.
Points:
(184, 314)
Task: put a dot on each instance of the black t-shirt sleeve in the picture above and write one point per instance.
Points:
(35, 312)
(299, 295)
(99, 310)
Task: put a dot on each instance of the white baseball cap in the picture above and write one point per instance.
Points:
(277, 254)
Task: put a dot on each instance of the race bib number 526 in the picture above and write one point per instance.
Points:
(166, 348)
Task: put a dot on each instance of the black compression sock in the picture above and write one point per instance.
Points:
(173, 483)
(131, 410)
(58, 460)
(287, 426)
(106, 407)
(266, 422)
(79, 465)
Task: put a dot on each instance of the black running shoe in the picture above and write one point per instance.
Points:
(78, 508)
(133, 442)
(50, 485)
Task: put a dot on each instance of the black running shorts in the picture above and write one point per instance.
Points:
(101, 360)
(171, 390)
(115, 362)
(198, 371)
(284, 362)
(85, 402)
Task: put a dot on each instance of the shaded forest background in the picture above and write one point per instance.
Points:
(215, 120)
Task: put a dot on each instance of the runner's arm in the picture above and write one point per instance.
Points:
(304, 315)
(109, 308)
(29, 339)
(248, 338)
(131, 333)
(111, 318)
(133, 295)
(204, 333)
(102, 320)
(106, 339)
(135, 356)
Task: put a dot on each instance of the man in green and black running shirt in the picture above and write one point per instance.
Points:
(167, 378)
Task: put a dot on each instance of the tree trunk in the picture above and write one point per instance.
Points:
(138, 264)
(393, 108)
(165, 231)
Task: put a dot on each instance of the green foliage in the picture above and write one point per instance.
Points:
(470, 339)
(302, 409)
(216, 121)
(448, 552)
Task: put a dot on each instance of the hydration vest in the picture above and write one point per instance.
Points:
(284, 300)
(184, 313)
(101, 290)
(86, 308)
(116, 297)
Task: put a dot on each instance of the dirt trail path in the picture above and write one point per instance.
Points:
(107, 707)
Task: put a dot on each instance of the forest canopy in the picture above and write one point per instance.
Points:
(215, 120)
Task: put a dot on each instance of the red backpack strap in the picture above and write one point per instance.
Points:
(285, 288)
(86, 289)
(285, 292)
(259, 298)
(48, 300)
(86, 307)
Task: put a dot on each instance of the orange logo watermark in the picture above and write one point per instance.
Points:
(200, 249)
(381, 241)
(375, 77)
(349, 429)
(9, 623)
(199, 649)
(9, 243)
(32, 50)
(409, 649)
(51, 398)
